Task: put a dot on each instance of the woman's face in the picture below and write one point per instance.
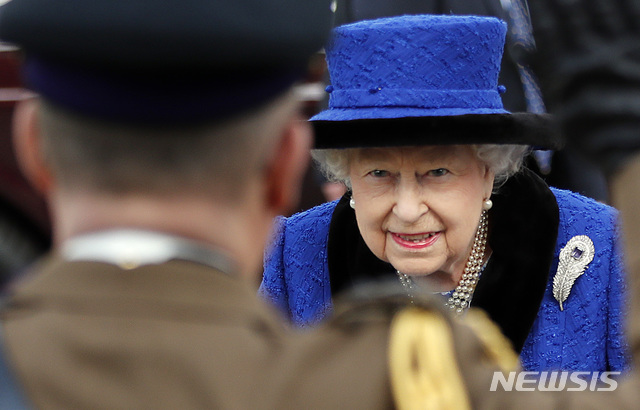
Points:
(418, 208)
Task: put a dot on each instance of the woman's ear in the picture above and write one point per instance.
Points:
(489, 178)
(27, 145)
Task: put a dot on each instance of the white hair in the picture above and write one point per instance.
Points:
(503, 160)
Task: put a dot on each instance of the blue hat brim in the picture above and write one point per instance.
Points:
(537, 130)
(374, 113)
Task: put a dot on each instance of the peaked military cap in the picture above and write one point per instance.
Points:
(157, 60)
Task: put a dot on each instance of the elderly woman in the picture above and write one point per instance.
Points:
(438, 199)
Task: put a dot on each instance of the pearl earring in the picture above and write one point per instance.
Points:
(487, 204)
(352, 203)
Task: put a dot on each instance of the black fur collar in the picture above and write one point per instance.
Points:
(523, 228)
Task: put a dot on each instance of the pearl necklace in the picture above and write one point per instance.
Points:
(460, 299)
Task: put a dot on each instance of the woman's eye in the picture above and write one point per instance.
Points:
(438, 172)
(378, 173)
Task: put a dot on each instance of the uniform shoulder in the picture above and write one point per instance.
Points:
(425, 346)
(378, 301)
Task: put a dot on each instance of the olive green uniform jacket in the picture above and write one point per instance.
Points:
(87, 335)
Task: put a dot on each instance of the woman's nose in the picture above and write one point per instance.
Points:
(409, 206)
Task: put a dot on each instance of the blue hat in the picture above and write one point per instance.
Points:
(421, 80)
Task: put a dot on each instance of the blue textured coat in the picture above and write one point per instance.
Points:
(587, 335)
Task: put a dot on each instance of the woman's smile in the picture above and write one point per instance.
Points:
(415, 241)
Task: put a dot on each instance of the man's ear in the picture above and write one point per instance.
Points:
(288, 166)
(27, 145)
